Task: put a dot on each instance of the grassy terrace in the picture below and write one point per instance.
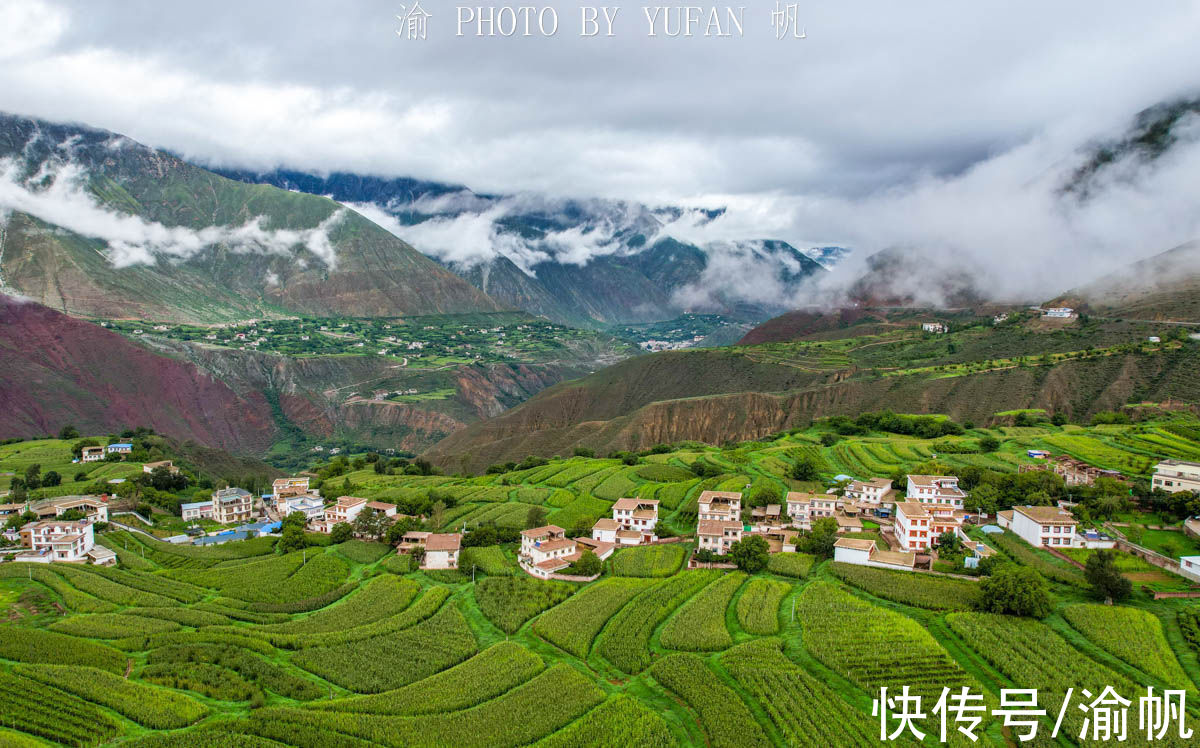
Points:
(429, 342)
(344, 645)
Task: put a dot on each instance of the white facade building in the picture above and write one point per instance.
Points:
(1044, 526)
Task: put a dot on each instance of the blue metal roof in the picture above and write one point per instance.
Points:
(118, 445)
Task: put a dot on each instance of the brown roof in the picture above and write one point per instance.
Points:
(443, 542)
(604, 523)
(1006, 514)
(628, 504)
(707, 497)
(911, 509)
(645, 514)
(803, 496)
(553, 564)
(382, 506)
(896, 558)
(160, 463)
(857, 544)
(628, 534)
(541, 532)
(848, 521)
(599, 547)
(350, 501)
(716, 526)
(1046, 515)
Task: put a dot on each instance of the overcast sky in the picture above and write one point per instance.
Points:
(883, 104)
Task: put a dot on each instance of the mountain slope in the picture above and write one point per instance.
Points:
(578, 262)
(59, 371)
(100, 225)
(1163, 287)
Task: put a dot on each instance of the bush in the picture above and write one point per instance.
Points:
(1015, 590)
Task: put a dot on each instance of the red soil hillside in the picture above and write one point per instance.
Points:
(805, 323)
(56, 370)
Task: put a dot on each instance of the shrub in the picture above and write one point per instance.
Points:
(1015, 590)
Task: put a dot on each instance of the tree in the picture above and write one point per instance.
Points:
(805, 470)
(51, 479)
(819, 541)
(1106, 580)
(295, 519)
(81, 476)
(588, 564)
(340, 533)
(1015, 590)
(584, 452)
(949, 543)
(371, 524)
(293, 538)
(68, 432)
(989, 443)
(983, 498)
(750, 553)
(33, 476)
(437, 515)
(536, 517)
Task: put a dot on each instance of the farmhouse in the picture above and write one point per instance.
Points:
(718, 535)
(285, 487)
(389, 510)
(1174, 476)
(546, 550)
(1073, 472)
(936, 328)
(1189, 566)
(92, 454)
(601, 549)
(936, 491)
(912, 526)
(798, 504)
(55, 540)
(196, 510)
(441, 551)
(346, 510)
(864, 552)
(1059, 312)
(150, 467)
(768, 513)
(605, 530)
(94, 508)
(637, 519)
(875, 491)
(412, 540)
(1044, 525)
(231, 505)
(719, 505)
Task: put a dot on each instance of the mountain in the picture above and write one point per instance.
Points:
(719, 395)
(578, 262)
(95, 224)
(1163, 287)
(59, 370)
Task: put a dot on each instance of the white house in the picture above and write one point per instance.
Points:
(1189, 566)
(912, 526)
(55, 540)
(864, 552)
(1061, 312)
(719, 505)
(120, 448)
(196, 510)
(1044, 525)
(546, 550)
(389, 510)
(637, 519)
(718, 535)
(92, 454)
(232, 505)
(150, 467)
(1174, 476)
(934, 327)
(345, 510)
(605, 530)
(797, 508)
(283, 488)
(441, 551)
(942, 499)
(94, 508)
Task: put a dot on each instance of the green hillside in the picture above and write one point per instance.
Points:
(750, 391)
(242, 644)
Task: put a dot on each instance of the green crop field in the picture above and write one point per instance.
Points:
(351, 645)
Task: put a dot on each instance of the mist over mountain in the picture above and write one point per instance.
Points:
(577, 261)
(93, 223)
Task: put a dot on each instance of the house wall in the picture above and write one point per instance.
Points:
(851, 556)
(440, 560)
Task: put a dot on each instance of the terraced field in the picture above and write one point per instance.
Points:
(348, 646)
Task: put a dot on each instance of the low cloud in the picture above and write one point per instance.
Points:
(62, 199)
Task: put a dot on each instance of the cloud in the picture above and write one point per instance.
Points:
(64, 202)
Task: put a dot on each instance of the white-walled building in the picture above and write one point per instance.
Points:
(605, 530)
(94, 508)
(912, 526)
(718, 535)
(719, 505)
(1060, 312)
(934, 327)
(1189, 566)
(875, 492)
(196, 510)
(1174, 476)
(546, 550)
(441, 551)
(797, 503)
(120, 448)
(232, 505)
(864, 552)
(345, 510)
(92, 454)
(283, 488)
(1044, 525)
(637, 519)
(56, 540)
